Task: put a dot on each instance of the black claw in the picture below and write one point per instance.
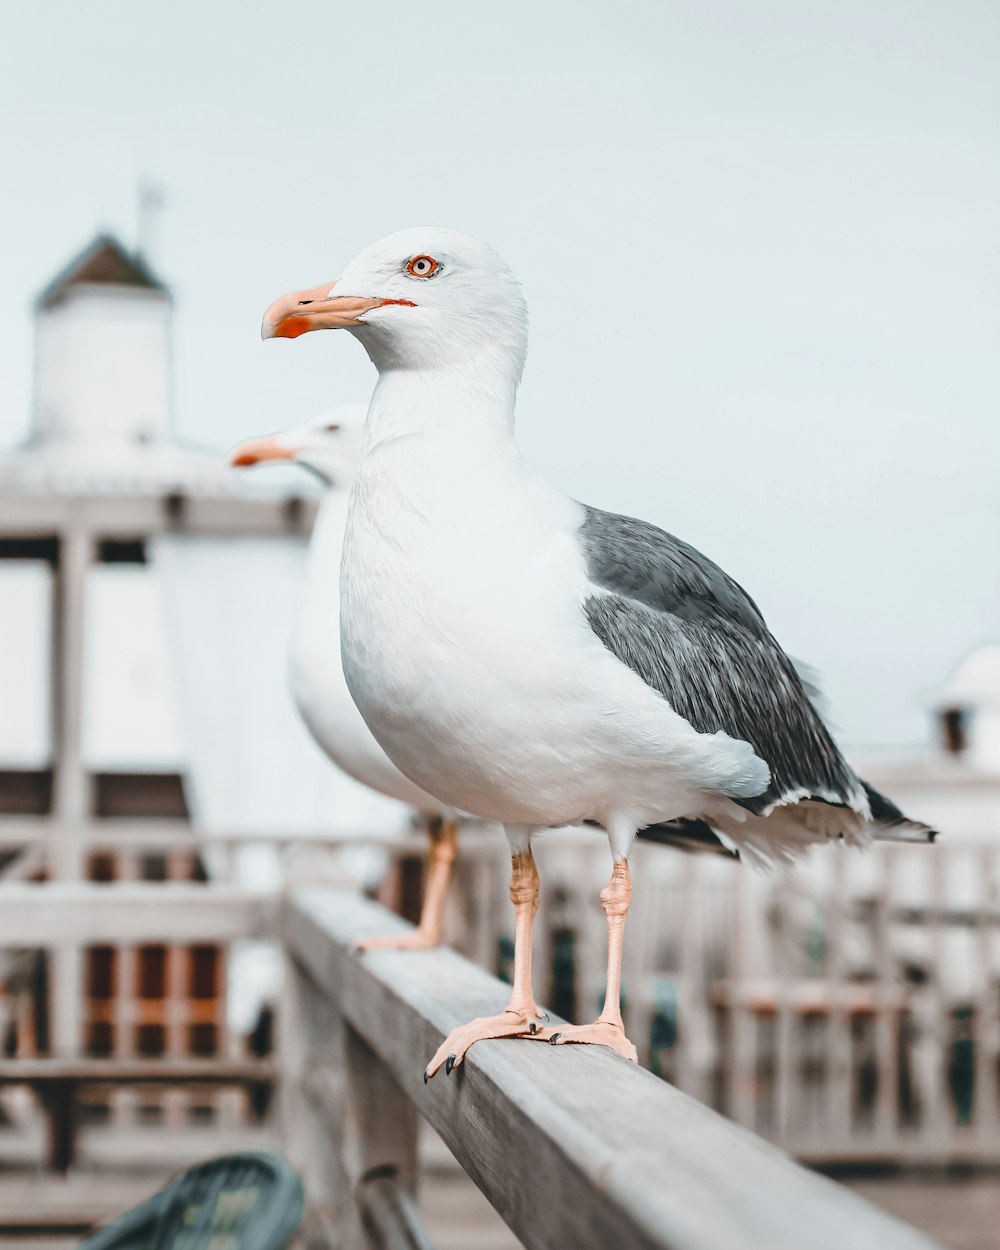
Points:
(426, 1077)
(543, 1015)
(449, 1064)
(554, 1038)
(532, 1028)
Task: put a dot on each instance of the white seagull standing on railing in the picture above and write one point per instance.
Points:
(533, 660)
(330, 446)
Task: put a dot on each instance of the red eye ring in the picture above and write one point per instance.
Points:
(422, 267)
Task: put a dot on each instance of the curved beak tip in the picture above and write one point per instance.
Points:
(259, 451)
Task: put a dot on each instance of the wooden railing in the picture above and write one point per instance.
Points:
(847, 1010)
(572, 1146)
(70, 916)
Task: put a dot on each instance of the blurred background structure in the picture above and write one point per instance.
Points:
(797, 213)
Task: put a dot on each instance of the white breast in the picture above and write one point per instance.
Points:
(466, 649)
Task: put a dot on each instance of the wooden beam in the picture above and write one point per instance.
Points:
(59, 913)
(135, 1071)
(572, 1145)
(115, 833)
(135, 516)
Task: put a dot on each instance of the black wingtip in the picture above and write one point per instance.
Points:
(687, 834)
(894, 824)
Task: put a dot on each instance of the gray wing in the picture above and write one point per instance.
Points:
(693, 634)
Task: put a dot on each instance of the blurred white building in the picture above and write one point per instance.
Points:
(146, 594)
(955, 786)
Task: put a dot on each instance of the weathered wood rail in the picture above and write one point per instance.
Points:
(572, 1146)
(72, 912)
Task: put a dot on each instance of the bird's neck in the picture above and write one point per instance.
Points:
(468, 400)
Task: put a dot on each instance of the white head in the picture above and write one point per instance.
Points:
(417, 299)
(329, 445)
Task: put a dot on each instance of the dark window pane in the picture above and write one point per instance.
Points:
(25, 793)
(101, 867)
(121, 551)
(204, 972)
(139, 794)
(150, 1040)
(101, 970)
(203, 1040)
(154, 867)
(152, 971)
(100, 1039)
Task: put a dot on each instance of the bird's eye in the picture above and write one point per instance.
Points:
(422, 267)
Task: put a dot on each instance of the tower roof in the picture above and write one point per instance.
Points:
(104, 261)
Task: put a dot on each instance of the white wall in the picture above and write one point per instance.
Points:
(102, 368)
(130, 717)
(25, 652)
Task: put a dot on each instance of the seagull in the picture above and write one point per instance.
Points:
(537, 661)
(329, 446)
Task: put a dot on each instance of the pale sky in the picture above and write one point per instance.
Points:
(759, 243)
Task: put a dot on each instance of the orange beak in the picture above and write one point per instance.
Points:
(318, 309)
(258, 451)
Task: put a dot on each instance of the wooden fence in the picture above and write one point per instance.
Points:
(572, 1146)
(848, 1009)
(73, 916)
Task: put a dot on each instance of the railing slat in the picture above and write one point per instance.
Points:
(571, 1145)
(60, 912)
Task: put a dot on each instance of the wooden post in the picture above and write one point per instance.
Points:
(310, 1043)
(389, 1214)
(887, 1007)
(71, 801)
(987, 1113)
(742, 1021)
(60, 1104)
(787, 1026)
(839, 1057)
(380, 1150)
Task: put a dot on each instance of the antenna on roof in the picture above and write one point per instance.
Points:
(151, 199)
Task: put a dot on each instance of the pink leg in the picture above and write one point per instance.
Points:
(442, 847)
(608, 1029)
(522, 1013)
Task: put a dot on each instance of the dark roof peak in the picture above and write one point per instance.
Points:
(105, 261)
